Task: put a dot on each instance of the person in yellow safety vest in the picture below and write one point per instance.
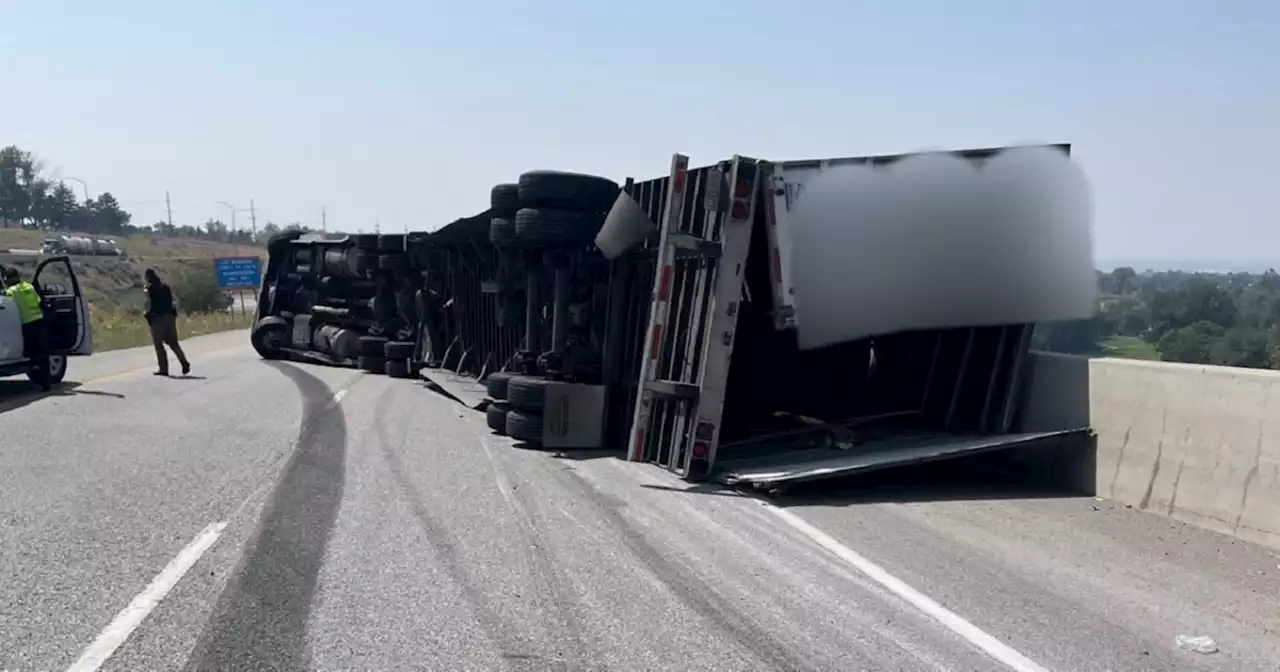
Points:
(31, 312)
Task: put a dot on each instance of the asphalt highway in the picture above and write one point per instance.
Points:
(273, 516)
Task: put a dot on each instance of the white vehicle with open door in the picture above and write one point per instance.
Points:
(66, 316)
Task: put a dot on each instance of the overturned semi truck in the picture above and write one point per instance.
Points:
(733, 322)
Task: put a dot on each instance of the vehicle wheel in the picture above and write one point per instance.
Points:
(496, 416)
(391, 242)
(366, 241)
(524, 425)
(398, 369)
(496, 384)
(372, 346)
(574, 191)
(372, 364)
(393, 262)
(402, 350)
(502, 232)
(504, 199)
(546, 226)
(270, 336)
(57, 369)
(527, 394)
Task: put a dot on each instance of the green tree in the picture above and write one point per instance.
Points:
(62, 208)
(1200, 300)
(1191, 344)
(266, 232)
(197, 291)
(108, 217)
(17, 170)
(215, 229)
(1241, 346)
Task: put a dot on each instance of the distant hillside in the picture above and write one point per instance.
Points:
(116, 283)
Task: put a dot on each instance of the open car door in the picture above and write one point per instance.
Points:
(66, 313)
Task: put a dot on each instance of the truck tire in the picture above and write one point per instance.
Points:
(398, 368)
(366, 241)
(527, 394)
(496, 384)
(372, 364)
(504, 199)
(371, 346)
(270, 336)
(524, 426)
(401, 350)
(496, 417)
(572, 191)
(551, 227)
(393, 262)
(502, 232)
(391, 242)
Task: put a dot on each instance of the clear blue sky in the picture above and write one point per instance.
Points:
(407, 112)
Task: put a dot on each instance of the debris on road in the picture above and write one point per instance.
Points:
(1197, 643)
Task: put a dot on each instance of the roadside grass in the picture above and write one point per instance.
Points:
(1129, 347)
(116, 329)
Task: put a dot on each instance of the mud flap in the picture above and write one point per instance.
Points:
(462, 388)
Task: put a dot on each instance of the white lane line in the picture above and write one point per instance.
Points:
(973, 634)
(132, 616)
(129, 618)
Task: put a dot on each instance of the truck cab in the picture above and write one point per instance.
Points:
(66, 316)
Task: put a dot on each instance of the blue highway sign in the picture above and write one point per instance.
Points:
(238, 272)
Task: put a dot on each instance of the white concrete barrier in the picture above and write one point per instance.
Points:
(1197, 443)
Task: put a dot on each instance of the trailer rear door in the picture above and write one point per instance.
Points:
(704, 238)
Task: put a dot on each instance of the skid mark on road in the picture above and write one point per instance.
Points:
(521, 651)
(260, 620)
(681, 582)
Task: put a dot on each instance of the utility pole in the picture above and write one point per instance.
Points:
(253, 221)
(324, 219)
(377, 226)
(168, 209)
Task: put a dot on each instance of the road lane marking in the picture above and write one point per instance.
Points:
(949, 619)
(132, 616)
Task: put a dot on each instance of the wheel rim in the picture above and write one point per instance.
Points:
(274, 339)
(57, 364)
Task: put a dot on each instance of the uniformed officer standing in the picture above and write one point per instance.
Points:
(31, 312)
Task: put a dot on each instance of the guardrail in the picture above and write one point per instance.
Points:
(1197, 443)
